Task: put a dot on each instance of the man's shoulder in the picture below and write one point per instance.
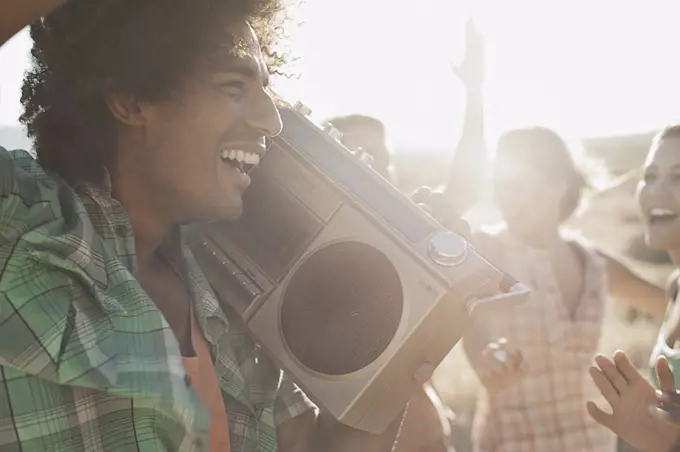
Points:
(43, 221)
(55, 306)
(20, 160)
(22, 181)
(29, 196)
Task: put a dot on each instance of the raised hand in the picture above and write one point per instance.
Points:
(16, 15)
(471, 68)
(632, 400)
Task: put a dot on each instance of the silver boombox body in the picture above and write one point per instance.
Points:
(353, 290)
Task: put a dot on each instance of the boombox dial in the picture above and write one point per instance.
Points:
(448, 249)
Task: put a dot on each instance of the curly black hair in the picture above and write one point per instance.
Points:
(145, 47)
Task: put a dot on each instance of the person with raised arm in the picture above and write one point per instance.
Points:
(532, 359)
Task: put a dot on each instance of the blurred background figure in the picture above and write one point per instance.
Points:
(539, 403)
(537, 187)
(361, 132)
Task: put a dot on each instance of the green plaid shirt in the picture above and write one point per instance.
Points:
(87, 361)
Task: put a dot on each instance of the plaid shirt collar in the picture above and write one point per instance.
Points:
(114, 226)
(112, 223)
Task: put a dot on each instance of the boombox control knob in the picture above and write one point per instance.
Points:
(332, 131)
(364, 157)
(448, 249)
(302, 109)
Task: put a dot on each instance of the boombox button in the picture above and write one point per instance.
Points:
(424, 372)
(302, 109)
(448, 249)
(332, 131)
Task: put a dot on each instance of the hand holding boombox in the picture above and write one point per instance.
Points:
(437, 204)
(500, 364)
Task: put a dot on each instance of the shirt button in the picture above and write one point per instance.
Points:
(121, 231)
(187, 380)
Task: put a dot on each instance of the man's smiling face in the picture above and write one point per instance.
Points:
(200, 144)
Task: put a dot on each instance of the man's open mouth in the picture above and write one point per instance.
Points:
(241, 160)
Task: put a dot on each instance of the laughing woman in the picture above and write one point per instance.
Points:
(628, 393)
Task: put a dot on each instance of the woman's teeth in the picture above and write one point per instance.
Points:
(658, 214)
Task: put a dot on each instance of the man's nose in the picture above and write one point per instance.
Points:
(264, 115)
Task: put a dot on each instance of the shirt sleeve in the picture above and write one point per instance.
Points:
(49, 325)
(290, 402)
(28, 197)
(34, 314)
(34, 303)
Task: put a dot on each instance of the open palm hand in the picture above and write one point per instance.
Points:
(630, 397)
(471, 69)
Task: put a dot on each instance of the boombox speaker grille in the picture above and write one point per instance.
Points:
(341, 308)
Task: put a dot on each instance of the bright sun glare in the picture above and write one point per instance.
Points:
(585, 67)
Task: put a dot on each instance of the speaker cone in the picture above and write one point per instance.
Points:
(341, 308)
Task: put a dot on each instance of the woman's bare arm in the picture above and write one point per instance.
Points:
(470, 160)
(628, 287)
(16, 14)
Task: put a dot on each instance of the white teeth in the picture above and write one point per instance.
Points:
(657, 212)
(240, 156)
(252, 159)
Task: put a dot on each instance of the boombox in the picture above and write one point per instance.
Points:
(353, 290)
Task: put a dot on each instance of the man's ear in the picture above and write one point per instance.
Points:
(123, 106)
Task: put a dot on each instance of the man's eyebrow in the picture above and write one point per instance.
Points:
(246, 69)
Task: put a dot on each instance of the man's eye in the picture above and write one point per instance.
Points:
(235, 87)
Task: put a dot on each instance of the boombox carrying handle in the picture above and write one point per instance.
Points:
(513, 293)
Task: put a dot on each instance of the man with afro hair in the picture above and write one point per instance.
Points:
(110, 336)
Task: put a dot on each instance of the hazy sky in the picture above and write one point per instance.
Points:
(586, 67)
